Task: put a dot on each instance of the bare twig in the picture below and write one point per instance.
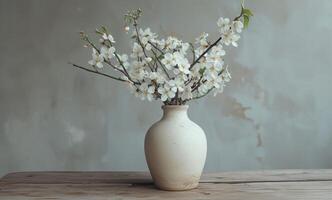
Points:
(100, 73)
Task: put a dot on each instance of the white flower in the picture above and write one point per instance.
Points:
(219, 90)
(168, 61)
(214, 81)
(223, 24)
(172, 43)
(230, 38)
(97, 59)
(238, 26)
(186, 94)
(184, 48)
(202, 40)
(197, 70)
(167, 91)
(203, 89)
(179, 83)
(108, 37)
(124, 59)
(106, 52)
(148, 59)
(137, 70)
(199, 51)
(227, 31)
(182, 68)
(217, 51)
(156, 76)
(146, 36)
(146, 92)
(148, 47)
(137, 51)
(182, 63)
(215, 57)
(161, 43)
(212, 70)
(183, 77)
(172, 85)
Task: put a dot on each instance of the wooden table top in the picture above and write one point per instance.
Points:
(251, 185)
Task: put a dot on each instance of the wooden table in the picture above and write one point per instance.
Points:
(253, 185)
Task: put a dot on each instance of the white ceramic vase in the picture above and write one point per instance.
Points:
(175, 150)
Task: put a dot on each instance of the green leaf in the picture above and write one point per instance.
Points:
(103, 28)
(245, 21)
(99, 32)
(201, 71)
(247, 12)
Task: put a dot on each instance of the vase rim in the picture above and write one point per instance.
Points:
(175, 106)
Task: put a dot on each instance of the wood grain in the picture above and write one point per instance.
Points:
(280, 184)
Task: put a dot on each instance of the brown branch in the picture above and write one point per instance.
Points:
(141, 44)
(161, 64)
(193, 51)
(99, 73)
(208, 49)
(241, 14)
(198, 83)
(156, 47)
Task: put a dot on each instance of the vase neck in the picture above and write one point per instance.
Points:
(178, 111)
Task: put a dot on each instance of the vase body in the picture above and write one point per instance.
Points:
(175, 150)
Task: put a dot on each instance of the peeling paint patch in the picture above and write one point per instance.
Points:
(259, 136)
(232, 108)
(246, 76)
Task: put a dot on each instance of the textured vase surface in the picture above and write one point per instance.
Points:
(175, 150)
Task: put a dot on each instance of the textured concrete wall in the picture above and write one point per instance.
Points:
(276, 112)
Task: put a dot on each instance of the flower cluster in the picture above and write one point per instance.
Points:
(160, 68)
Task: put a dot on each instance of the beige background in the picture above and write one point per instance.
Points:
(276, 113)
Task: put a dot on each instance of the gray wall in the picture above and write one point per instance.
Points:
(276, 113)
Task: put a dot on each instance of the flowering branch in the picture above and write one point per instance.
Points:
(160, 68)
(140, 43)
(207, 50)
(161, 64)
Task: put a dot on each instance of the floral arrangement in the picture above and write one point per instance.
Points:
(168, 69)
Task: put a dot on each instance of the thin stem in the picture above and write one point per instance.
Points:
(121, 63)
(161, 64)
(123, 72)
(107, 61)
(208, 49)
(199, 81)
(114, 67)
(156, 47)
(241, 14)
(197, 84)
(140, 43)
(93, 46)
(193, 51)
(100, 73)
(198, 97)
